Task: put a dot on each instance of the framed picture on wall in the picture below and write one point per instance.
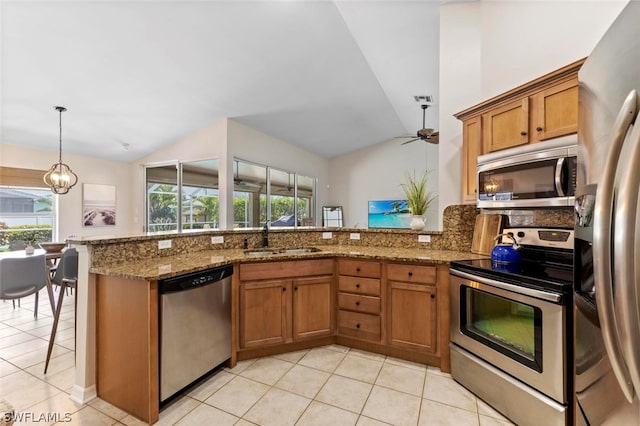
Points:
(389, 214)
(98, 205)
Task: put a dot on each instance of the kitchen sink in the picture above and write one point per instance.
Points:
(274, 251)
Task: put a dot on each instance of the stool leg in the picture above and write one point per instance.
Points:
(54, 327)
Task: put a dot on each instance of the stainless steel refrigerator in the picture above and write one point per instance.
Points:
(607, 243)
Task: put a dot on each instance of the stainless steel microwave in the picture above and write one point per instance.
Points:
(536, 175)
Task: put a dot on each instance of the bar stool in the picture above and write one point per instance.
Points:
(66, 276)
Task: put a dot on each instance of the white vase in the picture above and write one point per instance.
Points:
(29, 249)
(417, 223)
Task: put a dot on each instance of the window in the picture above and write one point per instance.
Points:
(26, 215)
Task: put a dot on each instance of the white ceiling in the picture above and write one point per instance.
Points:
(330, 77)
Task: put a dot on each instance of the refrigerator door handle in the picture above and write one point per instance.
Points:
(602, 222)
(624, 250)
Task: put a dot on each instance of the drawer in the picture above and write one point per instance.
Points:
(357, 285)
(411, 273)
(362, 326)
(285, 269)
(355, 302)
(359, 268)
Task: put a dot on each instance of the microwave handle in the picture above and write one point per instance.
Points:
(558, 177)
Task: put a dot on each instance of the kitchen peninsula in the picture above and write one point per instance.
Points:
(385, 293)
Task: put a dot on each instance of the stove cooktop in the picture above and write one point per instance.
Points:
(552, 277)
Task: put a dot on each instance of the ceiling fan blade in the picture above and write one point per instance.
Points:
(409, 141)
(404, 137)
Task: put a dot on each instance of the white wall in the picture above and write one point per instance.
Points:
(375, 173)
(89, 170)
(489, 47)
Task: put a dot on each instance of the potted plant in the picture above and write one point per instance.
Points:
(418, 199)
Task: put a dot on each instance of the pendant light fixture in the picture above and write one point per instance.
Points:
(60, 179)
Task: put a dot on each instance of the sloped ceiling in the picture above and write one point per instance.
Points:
(330, 77)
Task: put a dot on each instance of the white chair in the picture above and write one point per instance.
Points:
(23, 276)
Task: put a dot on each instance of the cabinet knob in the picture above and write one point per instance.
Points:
(523, 133)
(357, 285)
(295, 288)
(284, 289)
(539, 129)
(357, 325)
(410, 274)
(357, 269)
(358, 303)
(433, 296)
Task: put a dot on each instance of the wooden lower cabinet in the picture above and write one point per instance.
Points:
(312, 307)
(413, 319)
(264, 313)
(287, 309)
(412, 316)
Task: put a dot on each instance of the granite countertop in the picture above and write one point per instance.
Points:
(169, 266)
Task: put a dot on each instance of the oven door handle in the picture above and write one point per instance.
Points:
(538, 294)
(602, 221)
(626, 274)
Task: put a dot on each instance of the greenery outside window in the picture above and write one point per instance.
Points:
(26, 216)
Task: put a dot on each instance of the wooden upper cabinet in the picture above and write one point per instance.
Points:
(506, 126)
(544, 108)
(471, 148)
(555, 111)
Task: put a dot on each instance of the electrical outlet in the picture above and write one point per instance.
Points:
(217, 239)
(354, 235)
(424, 238)
(327, 235)
(164, 244)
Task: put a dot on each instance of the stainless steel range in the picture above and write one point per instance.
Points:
(510, 328)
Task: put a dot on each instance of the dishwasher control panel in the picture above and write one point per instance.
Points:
(195, 279)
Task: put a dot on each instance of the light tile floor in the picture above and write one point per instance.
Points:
(331, 385)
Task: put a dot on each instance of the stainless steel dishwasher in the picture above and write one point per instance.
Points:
(195, 327)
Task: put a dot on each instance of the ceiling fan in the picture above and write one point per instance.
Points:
(427, 135)
(241, 182)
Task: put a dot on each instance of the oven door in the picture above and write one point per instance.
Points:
(520, 331)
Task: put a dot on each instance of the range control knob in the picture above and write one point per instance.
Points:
(520, 234)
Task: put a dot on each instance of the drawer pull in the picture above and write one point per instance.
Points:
(358, 325)
(358, 303)
(523, 133)
(357, 285)
(433, 296)
(539, 128)
(357, 269)
(410, 274)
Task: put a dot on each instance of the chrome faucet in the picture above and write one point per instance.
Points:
(265, 234)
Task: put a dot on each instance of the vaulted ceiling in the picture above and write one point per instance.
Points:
(330, 77)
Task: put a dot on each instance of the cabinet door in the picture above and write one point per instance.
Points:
(412, 316)
(263, 312)
(506, 126)
(313, 308)
(555, 111)
(471, 148)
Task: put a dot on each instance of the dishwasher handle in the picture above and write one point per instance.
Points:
(194, 279)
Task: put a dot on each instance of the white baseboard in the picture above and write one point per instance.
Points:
(83, 395)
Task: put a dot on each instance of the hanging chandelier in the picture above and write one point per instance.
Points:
(60, 179)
